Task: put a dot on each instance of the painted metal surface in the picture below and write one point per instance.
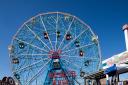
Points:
(54, 48)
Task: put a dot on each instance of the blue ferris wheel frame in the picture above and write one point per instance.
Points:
(56, 44)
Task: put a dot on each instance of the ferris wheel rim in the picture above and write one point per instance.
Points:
(14, 37)
(68, 14)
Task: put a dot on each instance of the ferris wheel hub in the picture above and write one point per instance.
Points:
(54, 54)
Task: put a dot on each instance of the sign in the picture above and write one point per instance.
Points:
(62, 74)
(116, 59)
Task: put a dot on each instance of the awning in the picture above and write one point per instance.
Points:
(111, 69)
(122, 68)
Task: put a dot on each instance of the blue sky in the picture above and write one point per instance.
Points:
(106, 18)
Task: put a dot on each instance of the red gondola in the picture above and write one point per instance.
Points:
(81, 53)
(68, 36)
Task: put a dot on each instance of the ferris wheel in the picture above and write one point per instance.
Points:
(54, 48)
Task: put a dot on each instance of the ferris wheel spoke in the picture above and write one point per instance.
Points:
(22, 64)
(77, 81)
(73, 39)
(46, 31)
(56, 31)
(31, 56)
(36, 36)
(52, 18)
(34, 54)
(31, 70)
(29, 66)
(38, 73)
(76, 59)
(31, 45)
(71, 63)
(71, 56)
(66, 33)
(78, 48)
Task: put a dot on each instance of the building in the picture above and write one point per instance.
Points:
(112, 68)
